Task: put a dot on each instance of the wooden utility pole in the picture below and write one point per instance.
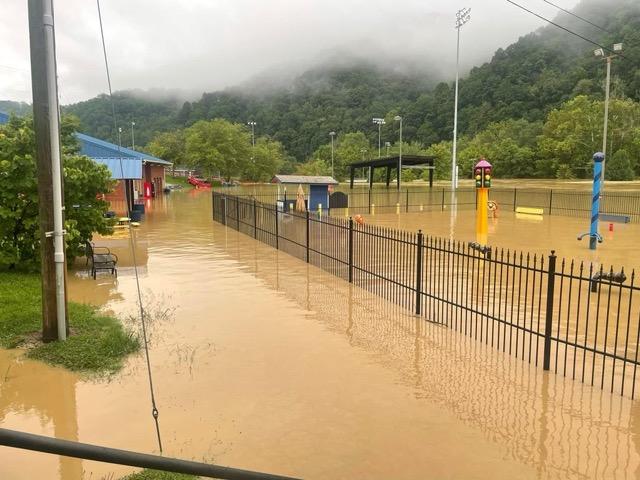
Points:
(48, 158)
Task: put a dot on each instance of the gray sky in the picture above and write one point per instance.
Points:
(199, 45)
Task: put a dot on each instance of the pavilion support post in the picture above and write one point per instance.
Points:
(352, 175)
(371, 170)
(431, 178)
(388, 176)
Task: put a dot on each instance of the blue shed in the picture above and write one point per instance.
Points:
(318, 188)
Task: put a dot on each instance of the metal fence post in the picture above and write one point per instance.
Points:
(255, 219)
(307, 236)
(407, 200)
(515, 199)
(350, 250)
(551, 279)
(443, 199)
(369, 202)
(238, 213)
(275, 210)
(224, 211)
(550, 200)
(420, 245)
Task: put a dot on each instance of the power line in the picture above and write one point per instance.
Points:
(154, 409)
(578, 17)
(607, 49)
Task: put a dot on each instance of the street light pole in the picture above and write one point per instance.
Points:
(133, 138)
(462, 17)
(332, 134)
(600, 53)
(398, 118)
(379, 122)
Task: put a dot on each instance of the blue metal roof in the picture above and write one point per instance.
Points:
(4, 118)
(122, 168)
(96, 148)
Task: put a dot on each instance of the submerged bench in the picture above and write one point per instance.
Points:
(529, 210)
(612, 217)
(101, 258)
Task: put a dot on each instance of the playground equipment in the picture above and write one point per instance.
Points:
(610, 217)
(594, 236)
(482, 173)
(604, 277)
(483, 249)
(359, 219)
(493, 207)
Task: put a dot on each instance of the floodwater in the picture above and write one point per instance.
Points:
(535, 234)
(263, 362)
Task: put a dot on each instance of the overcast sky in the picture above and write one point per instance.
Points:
(199, 45)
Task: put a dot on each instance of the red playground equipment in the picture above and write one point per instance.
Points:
(198, 182)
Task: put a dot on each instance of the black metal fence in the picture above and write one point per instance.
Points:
(568, 317)
(552, 202)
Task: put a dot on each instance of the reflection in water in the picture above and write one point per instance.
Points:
(271, 364)
(563, 430)
(27, 386)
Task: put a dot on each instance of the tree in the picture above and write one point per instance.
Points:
(84, 181)
(267, 158)
(350, 148)
(169, 146)
(218, 147)
(619, 167)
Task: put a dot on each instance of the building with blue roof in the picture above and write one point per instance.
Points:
(140, 174)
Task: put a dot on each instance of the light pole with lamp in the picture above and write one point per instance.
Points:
(388, 145)
(462, 17)
(332, 134)
(379, 122)
(133, 138)
(617, 48)
(253, 143)
(398, 118)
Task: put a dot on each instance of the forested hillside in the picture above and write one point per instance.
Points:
(509, 99)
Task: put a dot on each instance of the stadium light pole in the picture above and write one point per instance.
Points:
(133, 138)
(332, 134)
(601, 53)
(379, 122)
(462, 17)
(253, 140)
(398, 118)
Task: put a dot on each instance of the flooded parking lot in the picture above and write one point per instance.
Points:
(263, 362)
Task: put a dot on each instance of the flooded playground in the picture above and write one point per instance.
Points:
(264, 362)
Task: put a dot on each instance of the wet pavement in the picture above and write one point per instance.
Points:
(263, 362)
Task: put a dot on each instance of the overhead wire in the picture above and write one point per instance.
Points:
(569, 12)
(154, 408)
(606, 49)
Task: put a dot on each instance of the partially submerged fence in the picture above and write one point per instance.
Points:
(568, 317)
(551, 201)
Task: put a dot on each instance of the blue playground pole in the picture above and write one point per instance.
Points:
(594, 236)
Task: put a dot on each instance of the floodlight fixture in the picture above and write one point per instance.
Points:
(462, 17)
(599, 52)
(617, 47)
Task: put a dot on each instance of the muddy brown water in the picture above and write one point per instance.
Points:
(263, 362)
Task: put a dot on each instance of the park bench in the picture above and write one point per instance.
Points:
(101, 258)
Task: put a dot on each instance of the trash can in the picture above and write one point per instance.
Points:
(135, 215)
(138, 207)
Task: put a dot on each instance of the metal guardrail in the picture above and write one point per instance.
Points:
(40, 443)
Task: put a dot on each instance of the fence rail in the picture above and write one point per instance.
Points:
(552, 202)
(568, 317)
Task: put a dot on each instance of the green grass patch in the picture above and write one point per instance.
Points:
(177, 180)
(98, 343)
(147, 474)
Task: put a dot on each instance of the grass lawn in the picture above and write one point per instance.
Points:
(98, 343)
(177, 181)
(147, 474)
